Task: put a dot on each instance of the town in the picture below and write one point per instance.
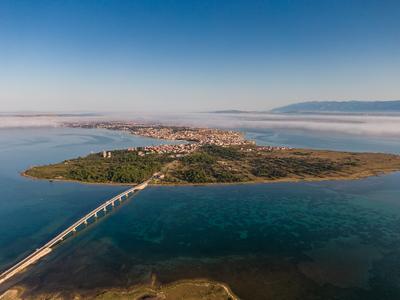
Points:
(196, 137)
(203, 136)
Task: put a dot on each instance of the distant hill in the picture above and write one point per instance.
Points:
(341, 106)
(229, 111)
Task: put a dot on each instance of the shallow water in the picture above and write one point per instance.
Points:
(31, 211)
(317, 240)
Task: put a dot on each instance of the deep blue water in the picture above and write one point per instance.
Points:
(325, 240)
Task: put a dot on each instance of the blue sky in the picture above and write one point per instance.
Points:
(195, 55)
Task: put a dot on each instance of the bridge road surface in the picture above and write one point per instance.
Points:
(47, 248)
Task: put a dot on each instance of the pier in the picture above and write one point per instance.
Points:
(47, 248)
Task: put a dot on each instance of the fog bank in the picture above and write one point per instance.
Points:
(347, 124)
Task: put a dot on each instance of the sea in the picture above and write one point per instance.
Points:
(303, 240)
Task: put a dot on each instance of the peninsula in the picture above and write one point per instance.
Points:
(210, 156)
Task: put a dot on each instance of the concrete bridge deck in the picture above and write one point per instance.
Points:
(47, 248)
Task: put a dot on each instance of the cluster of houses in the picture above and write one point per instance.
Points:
(199, 135)
(272, 148)
(177, 150)
(264, 148)
(106, 154)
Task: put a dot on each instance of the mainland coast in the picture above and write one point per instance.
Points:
(194, 289)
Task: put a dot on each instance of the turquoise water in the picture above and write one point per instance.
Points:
(31, 211)
(326, 240)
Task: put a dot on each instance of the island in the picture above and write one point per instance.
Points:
(210, 156)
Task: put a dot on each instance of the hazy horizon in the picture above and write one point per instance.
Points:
(177, 56)
(354, 125)
(94, 111)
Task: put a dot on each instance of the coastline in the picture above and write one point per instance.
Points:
(23, 174)
(267, 181)
(199, 289)
(260, 184)
(181, 287)
(352, 175)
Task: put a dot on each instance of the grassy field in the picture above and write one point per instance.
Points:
(214, 164)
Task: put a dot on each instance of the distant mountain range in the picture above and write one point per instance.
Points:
(349, 107)
(341, 107)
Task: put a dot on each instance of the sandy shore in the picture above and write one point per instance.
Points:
(14, 293)
(195, 289)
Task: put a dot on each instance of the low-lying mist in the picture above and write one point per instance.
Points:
(347, 124)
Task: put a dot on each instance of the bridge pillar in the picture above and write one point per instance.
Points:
(95, 214)
(105, 208)
(86, 222)
(113, 203)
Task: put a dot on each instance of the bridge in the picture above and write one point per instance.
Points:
(47, 248)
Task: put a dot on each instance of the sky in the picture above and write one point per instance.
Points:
(176, 56)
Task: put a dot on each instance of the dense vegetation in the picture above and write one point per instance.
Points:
(223, 164)
(203, 166)
(281, 167)
(214, 164)
(121, 167)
